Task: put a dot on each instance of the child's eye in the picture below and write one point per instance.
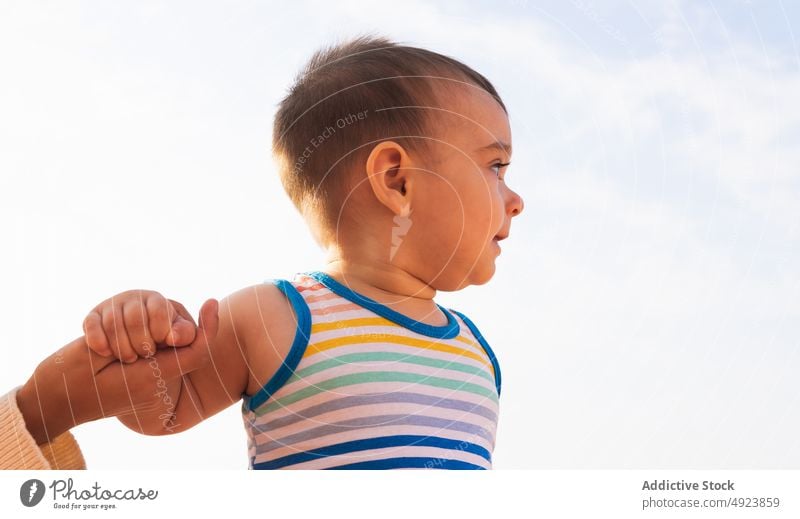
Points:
(497, 166)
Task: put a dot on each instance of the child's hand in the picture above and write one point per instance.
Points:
(133, 324)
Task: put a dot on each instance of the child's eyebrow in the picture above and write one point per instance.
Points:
(497, 145)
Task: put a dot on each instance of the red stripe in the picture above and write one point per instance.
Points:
(312, 288)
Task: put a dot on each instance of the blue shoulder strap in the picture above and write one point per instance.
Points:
(486, 347)
(296, 351)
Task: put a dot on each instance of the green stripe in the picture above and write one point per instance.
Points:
(389, 356)
(374, 376)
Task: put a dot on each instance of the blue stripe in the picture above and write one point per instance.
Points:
(402, 440)
(410, 463)
(299, 345)
(489, 352)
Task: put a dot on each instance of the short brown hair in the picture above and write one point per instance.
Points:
(347, 98)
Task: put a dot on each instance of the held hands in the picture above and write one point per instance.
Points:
(76, 385)
(135, 323)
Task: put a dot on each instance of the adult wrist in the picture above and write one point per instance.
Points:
(41, 412)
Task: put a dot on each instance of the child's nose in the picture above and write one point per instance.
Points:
(515, 203)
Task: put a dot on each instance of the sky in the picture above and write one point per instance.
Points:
(645, 309)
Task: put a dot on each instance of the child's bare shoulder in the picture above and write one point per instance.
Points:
(265, 323)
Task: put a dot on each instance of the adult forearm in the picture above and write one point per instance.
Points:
(44, 400)
(27, 402)
(75, 385)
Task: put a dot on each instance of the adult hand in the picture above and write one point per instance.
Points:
(76, 385)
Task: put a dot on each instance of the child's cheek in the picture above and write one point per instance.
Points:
(499, 206)
(486, 210)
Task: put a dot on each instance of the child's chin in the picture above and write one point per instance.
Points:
(483, 275)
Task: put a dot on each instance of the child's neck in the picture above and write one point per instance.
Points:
(388, 285)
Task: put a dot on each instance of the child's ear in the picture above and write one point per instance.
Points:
(388, 174)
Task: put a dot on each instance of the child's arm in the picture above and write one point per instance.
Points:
(256, 330)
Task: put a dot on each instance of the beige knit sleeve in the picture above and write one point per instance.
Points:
(18, 449)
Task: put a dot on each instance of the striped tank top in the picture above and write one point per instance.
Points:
(366, 387)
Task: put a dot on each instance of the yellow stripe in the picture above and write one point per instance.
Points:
(395, 339)
(472, 343)
(377, 321)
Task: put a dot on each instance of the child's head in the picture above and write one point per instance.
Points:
(395, 157)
